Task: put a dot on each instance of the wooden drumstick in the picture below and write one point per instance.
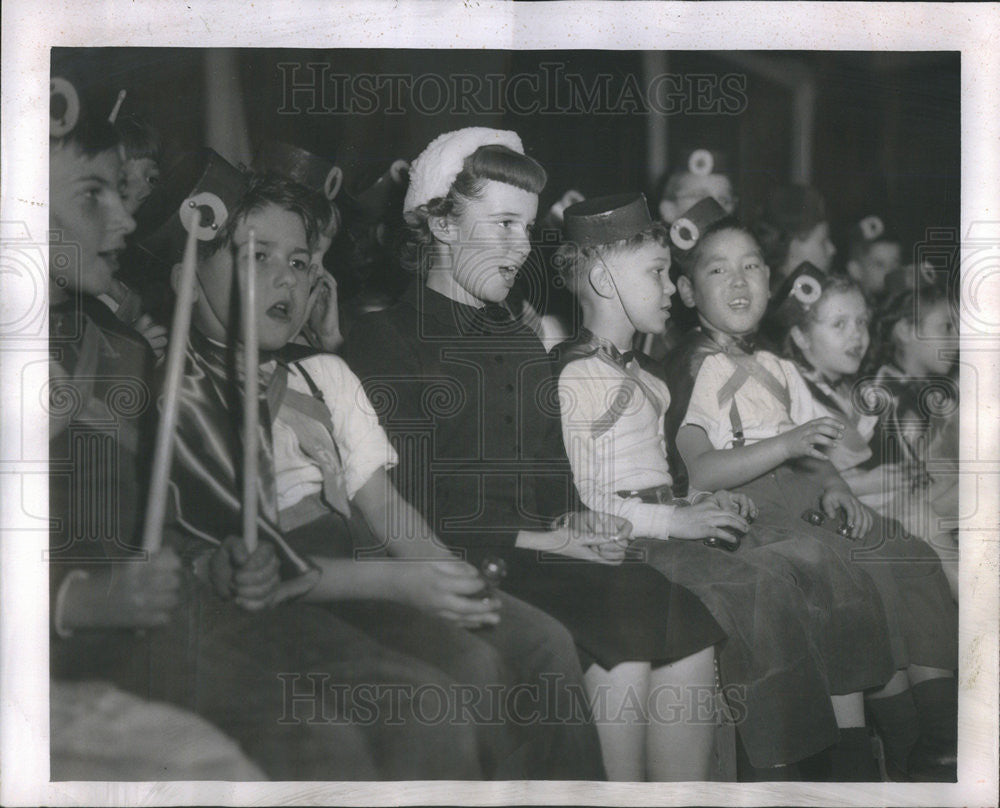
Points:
(251, 422)
(156, 502)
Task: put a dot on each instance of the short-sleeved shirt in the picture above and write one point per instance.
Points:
(854, 449)
(612, 424)
(361, 442)
(761, 414)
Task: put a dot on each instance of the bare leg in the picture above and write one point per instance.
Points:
(849, 710)
(619, 697)
(682, 719)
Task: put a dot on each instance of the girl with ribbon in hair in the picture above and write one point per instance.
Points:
(465, 387)
(825, 320)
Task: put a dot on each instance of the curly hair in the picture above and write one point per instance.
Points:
(572, 262)
(312, 209)
(496, 163)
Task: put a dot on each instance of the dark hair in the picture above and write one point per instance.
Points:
(571, 261)
(793, 211)
(496, 163)
(141, 141)
(90, 137)
(686, 260)
(902, 306)
(271, 190)
(858, 246)
(802, 316)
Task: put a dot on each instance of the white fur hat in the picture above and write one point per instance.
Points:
(434, 171)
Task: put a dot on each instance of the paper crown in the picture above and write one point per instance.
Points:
(605, 219)
(703, 161)
(434, 171)
(198, 191)
(798, 293)
(376, 200)
(317, 173)
(687, 230)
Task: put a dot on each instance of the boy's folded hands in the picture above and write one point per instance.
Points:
(449, 589)
(251, 579)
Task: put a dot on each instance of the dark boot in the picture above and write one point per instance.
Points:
(852, 759)
(895, 718)
(934, 757)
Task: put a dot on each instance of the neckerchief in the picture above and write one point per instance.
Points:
(736, 349)
(205, 479)
(588, 344)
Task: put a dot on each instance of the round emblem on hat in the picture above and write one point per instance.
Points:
(398, 171)
(190, 214)
(871, 227)
(806, 290)
(701, 162)
(64, 107)
(331, 187)
(684, 233)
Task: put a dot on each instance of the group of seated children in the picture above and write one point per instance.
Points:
(466, 557)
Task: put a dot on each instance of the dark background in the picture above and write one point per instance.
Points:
(886, 131)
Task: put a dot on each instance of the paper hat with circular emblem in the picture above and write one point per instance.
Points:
(198, 191)
(688, 230)
(798, 293)
(605, 219)
(869, 230)
(434, 171)
(315, 172)
(703, 161)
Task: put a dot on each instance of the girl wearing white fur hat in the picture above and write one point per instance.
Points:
(465, 388)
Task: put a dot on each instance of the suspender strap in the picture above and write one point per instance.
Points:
(746, 368)
(736, 424)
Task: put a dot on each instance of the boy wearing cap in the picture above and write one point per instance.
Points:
(616, 261)
(102, 586)
(326, 497)
(701, 173)
(747, 420)
(873, 254)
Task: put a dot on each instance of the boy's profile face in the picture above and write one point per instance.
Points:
(933, 344)
(728, 284)
(870, 271)
(691, 189)
(284, 279)
(642, 280)
(141, 176)
(490, 240)
(87, 216)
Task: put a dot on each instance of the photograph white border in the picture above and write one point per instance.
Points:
(30, 29)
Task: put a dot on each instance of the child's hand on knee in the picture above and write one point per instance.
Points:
(707, 520)
(809, 439)
(250, 578)
(858, 519)
(452, 590)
